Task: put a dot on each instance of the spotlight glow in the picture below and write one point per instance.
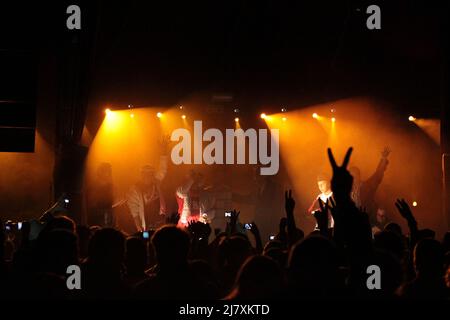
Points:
(315, 115)
(284, 118)
(236, 119)
(333, 119)
(108, 111)
(183, 116)
(412, 118)
(159, 114)
(181, 107)
(414, 203)
(132, 115)
(283, 110)
(263, 116)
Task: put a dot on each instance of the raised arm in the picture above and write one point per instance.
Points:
(342, 181)
(293, 234)
(375, 179)
(232, 222)
(258, 242)
(351, 225)
(289, 205)
(405, 211)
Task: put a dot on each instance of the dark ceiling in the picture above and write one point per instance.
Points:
(261, 52)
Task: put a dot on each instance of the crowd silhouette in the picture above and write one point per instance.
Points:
(182, 264)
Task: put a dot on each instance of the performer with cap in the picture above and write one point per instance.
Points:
(145, 199)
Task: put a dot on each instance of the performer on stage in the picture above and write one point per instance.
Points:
(323, 182)
(380, 221)
(145, 199)
(363, 192)
(195, 201)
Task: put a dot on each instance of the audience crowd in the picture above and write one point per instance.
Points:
(182, 264)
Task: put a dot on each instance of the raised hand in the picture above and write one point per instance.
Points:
(254, 229)
(405, 210)
(234, 216)
(385, 153)
(342, 181)
(289, 202)
(233, 221)
(199, 230)
(191, 226)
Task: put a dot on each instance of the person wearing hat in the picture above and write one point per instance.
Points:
(145, 199)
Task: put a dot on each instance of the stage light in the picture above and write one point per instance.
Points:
(108, 111)
(183, 116)
(412, 118)
(263, 116)
(284, 118)
(333, 119)
(181, 107)
(315, 115)
(132, 115)
(431, 127)
(236, 119)
(283, 110)
(159, 114)
(333, 110)
(130, 106)
(414, 203)
(236, 110)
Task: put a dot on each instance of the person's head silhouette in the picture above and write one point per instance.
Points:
(171, 245)
(259, 277)
(106, 249)
(429, 258)
(135, 256)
